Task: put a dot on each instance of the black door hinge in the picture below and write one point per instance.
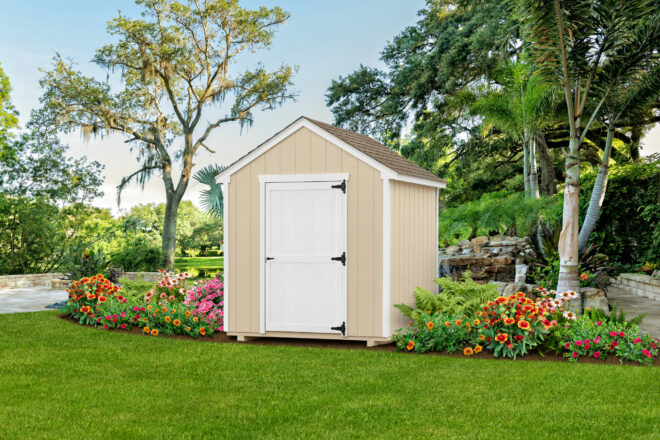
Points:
(341, 186)
(340, 328)
(341, 258)
(270, 258)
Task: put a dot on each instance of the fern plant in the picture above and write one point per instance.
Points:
(461, 298)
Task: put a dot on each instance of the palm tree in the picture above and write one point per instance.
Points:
(632, 87)
(211, 199)
(517, 107)
(570, 41)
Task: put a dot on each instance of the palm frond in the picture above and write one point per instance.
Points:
(211, 197)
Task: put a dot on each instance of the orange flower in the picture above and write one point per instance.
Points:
(168, 319)
(164, 309)
(410, 345)
(144, 319)
(520, 295)
(187, 313)
(476, 322)
(509, 321)
(430, 326)
(502, 337)
(482, 337)
(146, 329)
(468, 351)
(154, 332)
(102, 299)
(187, 329)
(149, 307)
(478, 349)
(458, 322)
(523, 325)
(177, 322)
(202, 331)
(500, 299)
(447, 323)
(84, 309)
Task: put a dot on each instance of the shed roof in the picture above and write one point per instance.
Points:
(364, 145)
(378, 151)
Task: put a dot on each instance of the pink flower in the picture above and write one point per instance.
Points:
(587, 346)
(123, 314)
(136, 309)
(578, 343)
(123, 326)
(597, 354)
(614, 344)
(114, 316)
(622, 334)
(108, 317)
(597, 340)
(98, 320)
(568, 344)
(142, 309)
(647, 353)
(105, 327)
(613, 334)
(637, 341)
(599, 323)
(575, 354)
(586, 341)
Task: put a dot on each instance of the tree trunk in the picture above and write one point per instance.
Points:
(548, 178)
(568, 240)
(525, 168)
(533, 176)
(169, 231)
(598, 193)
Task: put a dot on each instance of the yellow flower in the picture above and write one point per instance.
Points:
(187, 313)
(149, 307)
(168, 319)
(195, 319)
(187, 329)
(468, 351)
(478, 349)
(177, 322)
(146, 329)
(154, 332)
(202, 331)
(476, 322)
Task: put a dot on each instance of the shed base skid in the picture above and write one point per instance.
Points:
(370, 341)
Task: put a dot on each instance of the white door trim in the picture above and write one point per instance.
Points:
(279, 178)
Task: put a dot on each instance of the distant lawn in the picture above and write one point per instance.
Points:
(61, 380)
(200, 267)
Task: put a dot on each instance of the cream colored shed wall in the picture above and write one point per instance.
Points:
(414, 245)
(304, 152)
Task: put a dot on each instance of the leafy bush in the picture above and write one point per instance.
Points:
(440, 332)
(135, 288)
(137, 254)
(586, 338)
(456, 298)
(87, 295)
(80, 262)
(500, 212)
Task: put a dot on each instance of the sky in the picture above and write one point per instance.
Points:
(324, 38)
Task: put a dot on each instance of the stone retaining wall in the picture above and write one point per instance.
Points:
(638, 284)
(32, 280)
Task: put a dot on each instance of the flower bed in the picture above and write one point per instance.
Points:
(164, 310)
(515, 325)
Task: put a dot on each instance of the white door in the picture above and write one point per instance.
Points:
(305, 229)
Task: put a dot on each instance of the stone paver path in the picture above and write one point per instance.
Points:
(634, 305)
(29, 299)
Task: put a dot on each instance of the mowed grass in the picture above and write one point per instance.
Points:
(61, 380)
(197, 262)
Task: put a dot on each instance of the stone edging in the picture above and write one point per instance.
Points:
(31, 280)
(638, 284)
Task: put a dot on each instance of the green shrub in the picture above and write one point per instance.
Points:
(460, 298)
(438, 332)
(135, 288)
(137, 254)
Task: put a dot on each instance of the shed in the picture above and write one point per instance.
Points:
(325, 230)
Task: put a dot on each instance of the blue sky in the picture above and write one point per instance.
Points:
(324, 38)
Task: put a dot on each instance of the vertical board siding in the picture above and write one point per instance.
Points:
(414, 245)
(305, 152)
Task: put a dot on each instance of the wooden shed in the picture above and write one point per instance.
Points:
(325, 230)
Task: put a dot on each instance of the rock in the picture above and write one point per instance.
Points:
(464, 243)
(506, 289)
(502, 261)
(452, 250)
(594, 299)
(479, 240)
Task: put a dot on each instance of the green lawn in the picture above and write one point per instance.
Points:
(200, 267)
(61, 380)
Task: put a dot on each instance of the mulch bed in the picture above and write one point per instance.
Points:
(222, 338)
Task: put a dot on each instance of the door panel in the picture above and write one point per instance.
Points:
(305, 229)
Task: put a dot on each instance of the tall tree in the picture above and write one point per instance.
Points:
(175, 65)
(571, 41)
(8, 114)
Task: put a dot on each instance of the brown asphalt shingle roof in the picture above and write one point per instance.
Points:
(378, 151)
